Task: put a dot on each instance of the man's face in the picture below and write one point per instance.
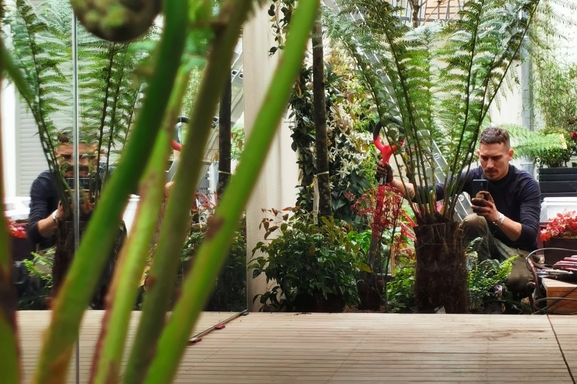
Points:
(494, 159)
(64, 154)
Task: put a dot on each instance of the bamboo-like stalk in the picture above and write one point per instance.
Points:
(214, 249)
(102, 229)
(124, 288)
(163, 270)
(9, 352)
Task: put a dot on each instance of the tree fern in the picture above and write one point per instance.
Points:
(437, 81)
(109, 90)
(41, 59)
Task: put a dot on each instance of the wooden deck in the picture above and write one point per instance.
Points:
(357, 347)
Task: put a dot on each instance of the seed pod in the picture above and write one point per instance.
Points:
(119, 21)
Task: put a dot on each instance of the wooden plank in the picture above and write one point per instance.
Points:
(566, 294)
(355, 347)
(565, 328)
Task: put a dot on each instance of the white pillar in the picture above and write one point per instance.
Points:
(9, 138)
(276, 185)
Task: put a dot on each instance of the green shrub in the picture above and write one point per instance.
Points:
(400, 291)
(306, 258)
(34, 281)
(229, 293)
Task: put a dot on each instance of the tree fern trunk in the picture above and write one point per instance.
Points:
(64, 254)
(224, 131)
(320, 116)
(441, 274)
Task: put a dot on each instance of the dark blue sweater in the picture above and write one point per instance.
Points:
(43, 201)
(517, 196)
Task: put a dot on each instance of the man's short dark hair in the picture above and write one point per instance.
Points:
(495, 135)
(64, 137)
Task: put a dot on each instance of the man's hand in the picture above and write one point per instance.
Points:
(384, 173)
(484, 205)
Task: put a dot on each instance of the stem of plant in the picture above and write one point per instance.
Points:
(213, 250)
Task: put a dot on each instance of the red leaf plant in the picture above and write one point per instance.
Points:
(385, 209)
(563, 225)
(16, 229)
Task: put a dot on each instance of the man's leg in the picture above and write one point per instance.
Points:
(474, 226)
(520, 275)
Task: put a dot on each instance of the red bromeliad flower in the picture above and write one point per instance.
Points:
(573, 136)
(563, 225)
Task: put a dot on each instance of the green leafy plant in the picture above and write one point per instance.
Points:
(531, 143)
(304, 258)
(36, 282)
(433, 86)
(554, 157)
(349, 153)
(487, 282)
(400, 291)
(110, 86)
(229, 293)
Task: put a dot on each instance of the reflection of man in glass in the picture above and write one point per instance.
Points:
(45, 209)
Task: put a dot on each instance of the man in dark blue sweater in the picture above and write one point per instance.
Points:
(45, 210)
(506, 215)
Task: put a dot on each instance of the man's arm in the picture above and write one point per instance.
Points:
(486, 207)
(385, 173)
(41, 223)
(47, 226)
(530, 211)
(525, 230)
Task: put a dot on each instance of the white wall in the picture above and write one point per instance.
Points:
(8, 99)
(277, 181)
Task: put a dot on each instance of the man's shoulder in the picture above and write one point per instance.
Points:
(525, 184)
(44, 179)
(523, 176)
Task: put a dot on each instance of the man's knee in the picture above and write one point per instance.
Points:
(474, 225)
(519, 277)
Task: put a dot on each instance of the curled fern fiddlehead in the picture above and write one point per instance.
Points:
(117, 20)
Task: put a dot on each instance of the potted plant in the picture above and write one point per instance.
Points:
(433, 85)
(313, 265)
(550, 150)
(391, 227)
(559, 236)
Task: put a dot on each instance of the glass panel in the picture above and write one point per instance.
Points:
(109, 95)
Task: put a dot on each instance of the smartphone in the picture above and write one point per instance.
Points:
(478, 186)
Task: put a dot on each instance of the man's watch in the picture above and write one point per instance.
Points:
(499, 220)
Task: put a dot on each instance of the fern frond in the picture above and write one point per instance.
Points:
(41, 57)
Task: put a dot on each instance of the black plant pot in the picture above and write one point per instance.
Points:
(568, 247)
(316, 302)
(558, 182)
